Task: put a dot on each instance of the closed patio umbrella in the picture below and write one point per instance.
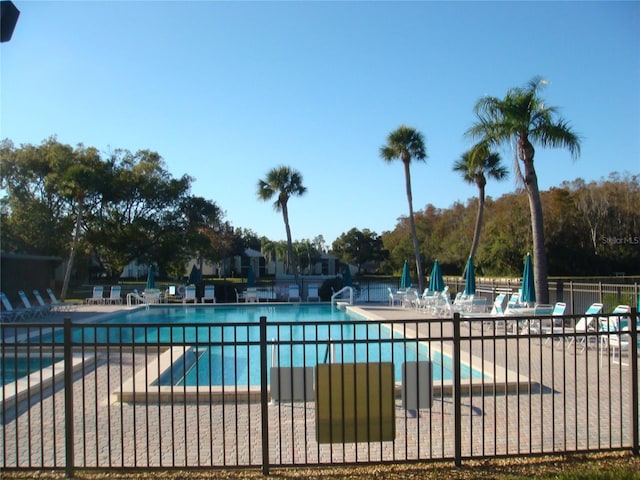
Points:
(346, 276)
(251, 277)
(405, 280)
(195, 277)
(151, 283)
(528, 285)
(470, 279)
(436, 283)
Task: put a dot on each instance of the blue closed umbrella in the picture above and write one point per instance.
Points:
(528, 284)
(151, 283)
(470, 279)
(436, 283)
(405, 280)
(195, 277)
(346, 276)
(251, 277)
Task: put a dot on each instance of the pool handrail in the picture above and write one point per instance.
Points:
(339, 292)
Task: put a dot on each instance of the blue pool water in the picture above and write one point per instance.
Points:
(12, 369)
(226, 354)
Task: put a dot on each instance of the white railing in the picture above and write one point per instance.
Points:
(338, 295)
(138, 298)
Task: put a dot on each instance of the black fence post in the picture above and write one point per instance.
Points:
(68, 400)
(457, 397)
(634, 379)
(264, 395)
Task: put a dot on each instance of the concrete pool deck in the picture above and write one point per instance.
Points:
(552, 412)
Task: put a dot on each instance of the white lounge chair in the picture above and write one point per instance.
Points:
(58, 305)
(190, 294)
(533, 326)
(114, 295)
(497, 308)
(586, 324)
(294, 293)
(209, 294)
(35, 311)
(393, 298)
(615, 341)
(41, 303)
(97, 296)
(11, 314)
(152, 296)
(251, 295)
(554, 325)
(312, 293)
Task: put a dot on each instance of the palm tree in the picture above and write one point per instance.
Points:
(521, 118)
(475, 166)
(407, 143)
(268, 249)
(282, 182)
(81, 178)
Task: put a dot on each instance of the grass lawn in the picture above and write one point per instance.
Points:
(619, 466)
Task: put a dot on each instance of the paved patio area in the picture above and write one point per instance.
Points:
(571, 402)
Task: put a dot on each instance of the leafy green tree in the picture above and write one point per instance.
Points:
(140, 215)
(282, 254)
(47, 188)
(36, 219)
(282, 182)
(359, 247)
(506, 234)
(127, 207)
(306, 254)
(406, 144)
(475, 166)
(522, 117)
(319, 243)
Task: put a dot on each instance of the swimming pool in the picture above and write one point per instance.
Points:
(14, 368)
(221, 344)
(298, 335)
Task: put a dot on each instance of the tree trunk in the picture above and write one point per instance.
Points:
(72, 254)
(540, 267)
(412, 223)
(476, 233)
(292, 258)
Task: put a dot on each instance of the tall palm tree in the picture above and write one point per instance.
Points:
(282, 182)
(475, 166)
(521, 118)
(407, 143)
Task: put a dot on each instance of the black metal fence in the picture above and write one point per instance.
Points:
(261, 394)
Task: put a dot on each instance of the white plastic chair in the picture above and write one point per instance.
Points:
(209, 294)
(294, 293)
(97, 296)
(312, 293)
(190, 294)
(114, 295)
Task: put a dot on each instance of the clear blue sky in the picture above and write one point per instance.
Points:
(225, 91)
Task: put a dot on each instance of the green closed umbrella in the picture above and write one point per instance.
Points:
(470, 279)
(405, 280)
(195, 277)
(528, 285)
(251, 277)
(151, 283)
(436, 283)
(346, 276)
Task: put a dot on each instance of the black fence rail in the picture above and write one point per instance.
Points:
(262, 394)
